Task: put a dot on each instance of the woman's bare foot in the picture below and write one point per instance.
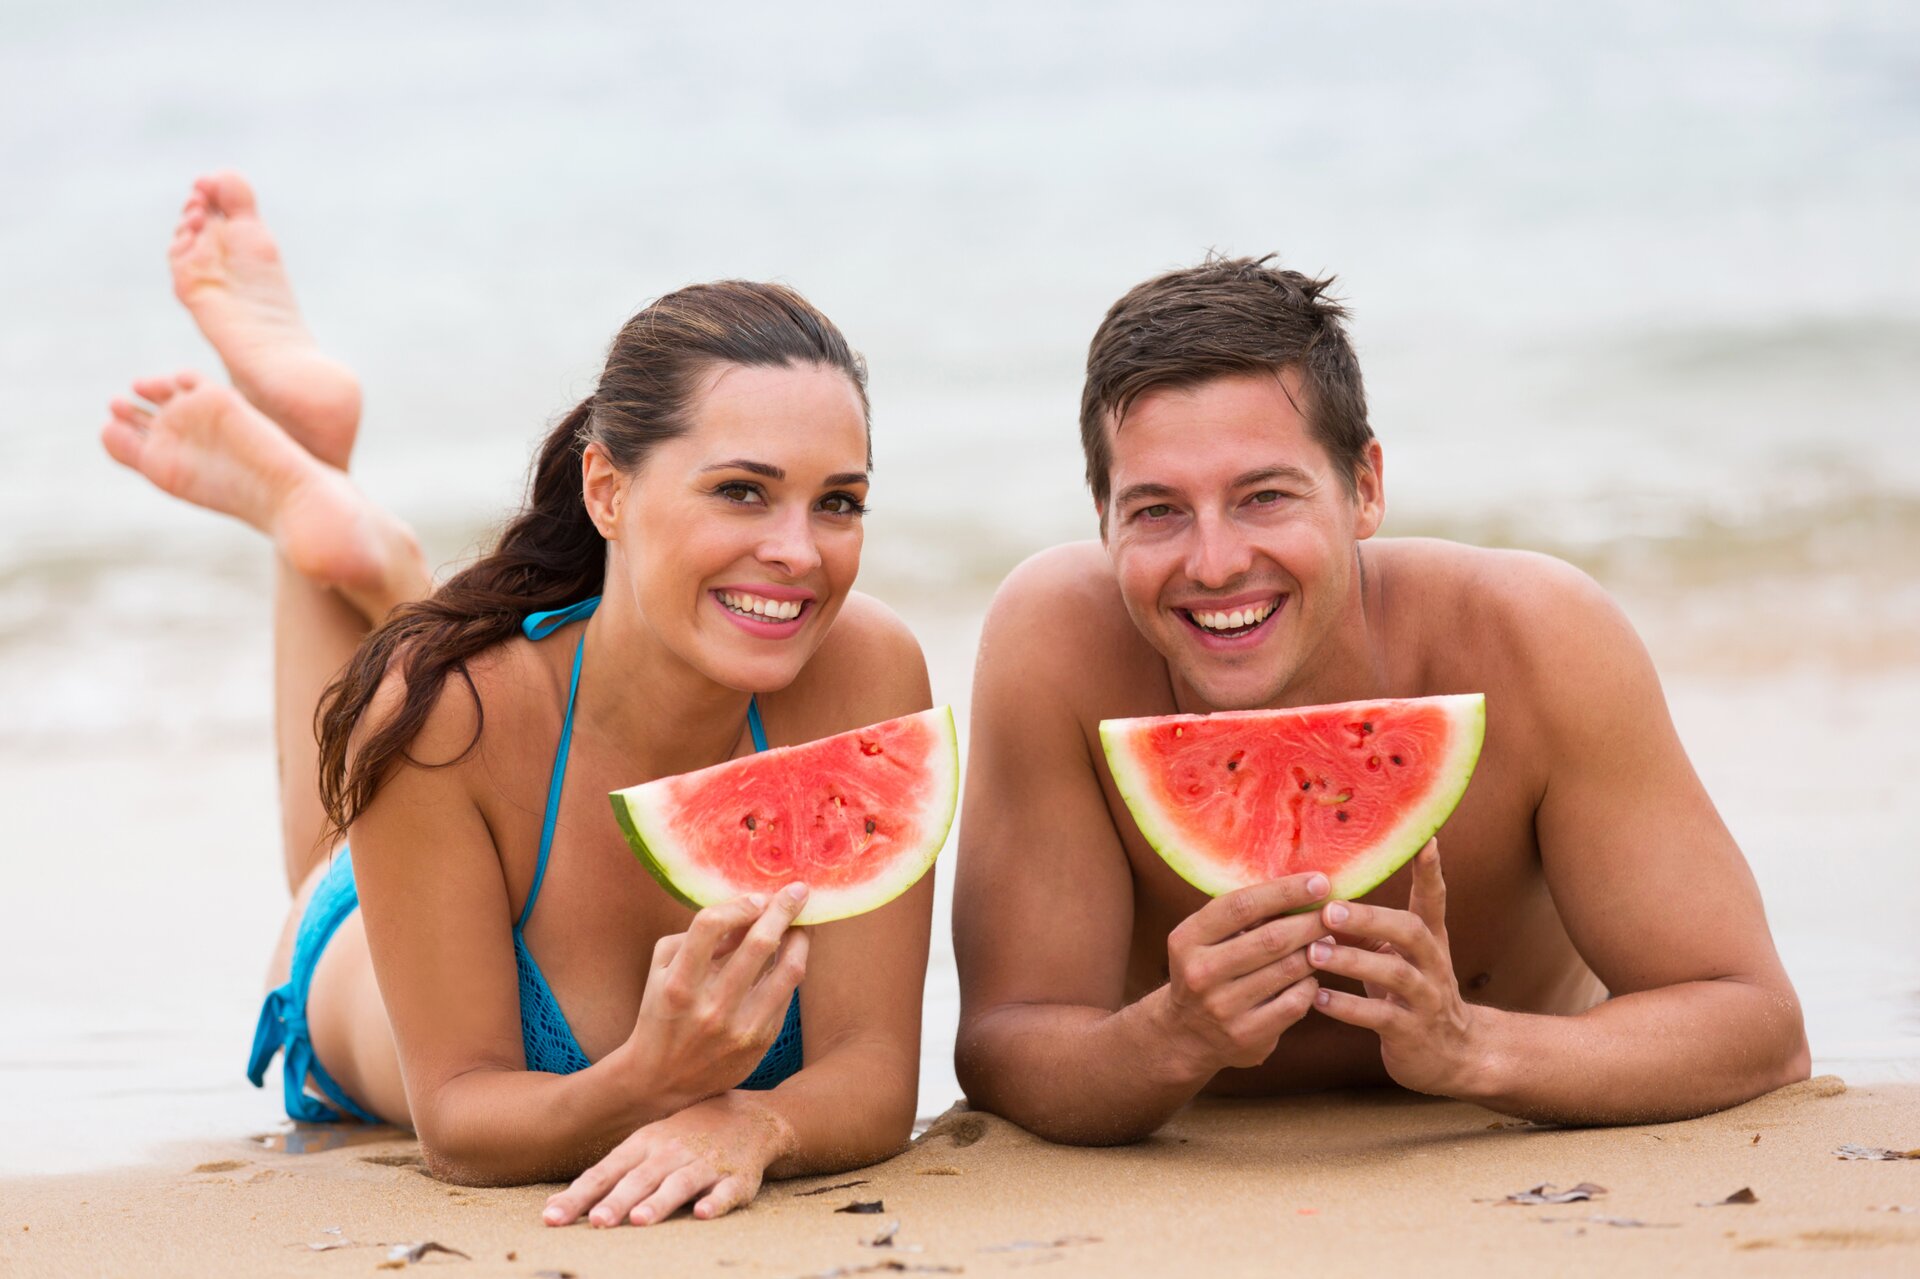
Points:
(226, 270)
(203, 443)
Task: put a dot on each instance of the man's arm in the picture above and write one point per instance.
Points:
(1653, 892)
(1043, 916)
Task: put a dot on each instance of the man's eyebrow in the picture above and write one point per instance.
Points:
(1292, 474)
(1134, 492)
(743, 464)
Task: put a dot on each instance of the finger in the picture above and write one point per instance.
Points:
(723, 1198)
(1245, 908)
(1428, 897)
(591, 1186)
(638, 1183)
(132, 414)
(186, 379)
(1382, 973)
(1403, 929)
(749, 960)
(122, 442)
(666, 948)
(1254, 949)
(713, 926)
(1263, 983)
(1372, 1014)
(680, 1185)
(768, 1002)
(1267, 1022)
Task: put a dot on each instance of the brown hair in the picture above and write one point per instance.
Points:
(551, 554)
(1224, 317)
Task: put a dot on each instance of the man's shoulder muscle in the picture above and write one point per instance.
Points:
(1058, 623)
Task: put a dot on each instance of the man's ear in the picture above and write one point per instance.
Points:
(1100, 513)
(1370, 493)
(603, 488)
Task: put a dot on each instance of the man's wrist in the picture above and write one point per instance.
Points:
(1484, 1073)
(1173, 1058)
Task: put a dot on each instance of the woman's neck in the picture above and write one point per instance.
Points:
(646, 704)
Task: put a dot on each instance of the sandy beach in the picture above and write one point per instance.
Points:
(1358, 1183)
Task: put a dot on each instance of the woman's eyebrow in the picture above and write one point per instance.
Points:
(742, 464)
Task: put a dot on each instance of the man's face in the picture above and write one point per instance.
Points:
(1232, 535)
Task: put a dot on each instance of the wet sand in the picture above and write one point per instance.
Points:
(1344, 1184)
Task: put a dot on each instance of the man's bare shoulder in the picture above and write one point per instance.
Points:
(1060, 619)
(1521, 619)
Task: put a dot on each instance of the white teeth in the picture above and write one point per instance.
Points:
(764, 609)
(1235, 619)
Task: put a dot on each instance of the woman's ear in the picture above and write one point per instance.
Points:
(603, 488)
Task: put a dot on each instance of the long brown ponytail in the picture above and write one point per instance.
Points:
(550, 554)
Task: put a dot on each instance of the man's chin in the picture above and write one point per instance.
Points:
(1218, 690)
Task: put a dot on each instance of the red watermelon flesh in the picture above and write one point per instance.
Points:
(1353, 790)
(859, 817)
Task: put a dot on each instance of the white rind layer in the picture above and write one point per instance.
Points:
(1466, 711)
(643, 812)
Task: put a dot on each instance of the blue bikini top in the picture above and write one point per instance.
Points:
(550, 1044)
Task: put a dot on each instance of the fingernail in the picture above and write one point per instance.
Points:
(1317, 886)
(1337, 914)
(1323, 998)
(796, 892)
(757, 900)
(553, 1215)
(1319, 952)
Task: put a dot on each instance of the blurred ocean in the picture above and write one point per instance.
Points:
(1634, 282)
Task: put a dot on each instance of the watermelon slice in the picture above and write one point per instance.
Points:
(859, 817)
(1353, 790)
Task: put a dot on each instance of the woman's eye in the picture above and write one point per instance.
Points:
(842, 504)
(745, 494)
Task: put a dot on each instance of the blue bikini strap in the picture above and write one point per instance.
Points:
(539, 626)
(753, 724)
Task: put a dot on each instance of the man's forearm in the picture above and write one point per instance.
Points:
(1657, 1055)
(1080, 1075)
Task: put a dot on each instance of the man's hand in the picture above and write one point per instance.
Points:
(1238, 974)
(1427, 1031)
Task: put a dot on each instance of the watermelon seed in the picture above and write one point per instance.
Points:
(1394, 758)
(1341, 815)
(869, 825)
(1366, 728)
(1306, 785)
(749, 822)
(869, 748)
(1373, 762)
(1233, 765)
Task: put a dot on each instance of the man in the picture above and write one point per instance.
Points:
(1597, 951)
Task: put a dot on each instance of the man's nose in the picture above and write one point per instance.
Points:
(1218, 554)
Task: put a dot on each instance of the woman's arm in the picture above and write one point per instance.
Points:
(853, 1102)
(440, 926)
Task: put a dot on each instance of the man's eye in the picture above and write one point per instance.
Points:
(1158, 511)
(1266, 497)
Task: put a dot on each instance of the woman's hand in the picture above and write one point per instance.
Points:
(716, 997)
(717, 1150)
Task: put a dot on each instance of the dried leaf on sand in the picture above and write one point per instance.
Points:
(884, 1239)
(1852, 1151)
(409, 1253)
(1744, 1195)
(1025, 1245)
(827, 1190)
(1544, 1193)
(870, 1205)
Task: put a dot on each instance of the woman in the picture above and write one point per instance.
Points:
(676, 593)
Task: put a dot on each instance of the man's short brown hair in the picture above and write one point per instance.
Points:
(1224, 317)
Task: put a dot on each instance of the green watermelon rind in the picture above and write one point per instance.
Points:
(1467, 711)
(645, 825)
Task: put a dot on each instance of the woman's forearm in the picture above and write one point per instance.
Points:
(852, 1107)
(506, 1126)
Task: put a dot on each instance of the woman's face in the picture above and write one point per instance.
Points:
(739, 540)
